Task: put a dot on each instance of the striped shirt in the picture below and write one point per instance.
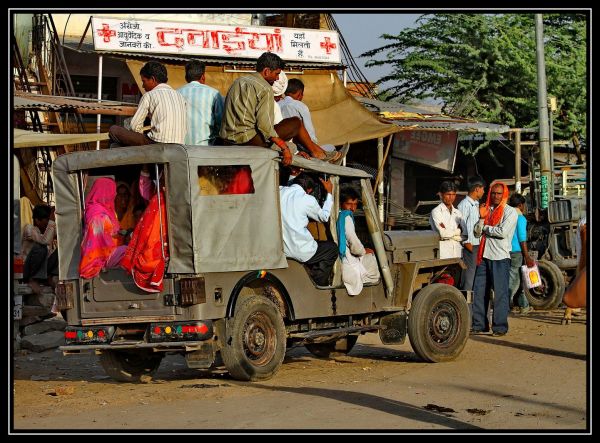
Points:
(248, 110)
(205, 111)
(168, 116)
(469, 208)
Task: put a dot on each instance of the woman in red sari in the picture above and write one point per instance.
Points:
(99, 248)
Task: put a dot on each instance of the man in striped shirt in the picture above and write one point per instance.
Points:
(248, 118)
(165, 106)
(205, 106)
(469, 208)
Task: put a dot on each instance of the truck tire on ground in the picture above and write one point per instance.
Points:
(335, 348)
(438, 323)
(550, 294)
(255, 339)
(129, 366)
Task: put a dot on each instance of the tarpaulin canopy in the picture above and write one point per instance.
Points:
(337, 116)
(30, 139)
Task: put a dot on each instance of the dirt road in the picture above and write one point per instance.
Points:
(532, 379)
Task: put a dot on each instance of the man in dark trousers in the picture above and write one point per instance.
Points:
(297, 206)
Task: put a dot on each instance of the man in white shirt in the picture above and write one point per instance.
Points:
(359, 264)
(297, 206)
(165, 106)
(469, 208)
(448, 221)
(291, 106)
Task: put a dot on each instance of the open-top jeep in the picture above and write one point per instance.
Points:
(228, 287)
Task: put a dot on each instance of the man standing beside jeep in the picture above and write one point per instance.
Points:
(297, 206)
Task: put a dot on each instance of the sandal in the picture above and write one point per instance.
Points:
(332, 156)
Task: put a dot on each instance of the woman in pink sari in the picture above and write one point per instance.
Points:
(99, 246)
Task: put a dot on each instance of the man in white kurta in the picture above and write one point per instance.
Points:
(359, 265)
(448, 221)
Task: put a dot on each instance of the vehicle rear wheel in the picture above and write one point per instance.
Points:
(550, 293)
(335, 348)
(438, 323)
(129, 366)
(255, 339)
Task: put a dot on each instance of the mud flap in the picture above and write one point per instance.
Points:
(395, 329)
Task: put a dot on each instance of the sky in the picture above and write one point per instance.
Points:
(362, 30)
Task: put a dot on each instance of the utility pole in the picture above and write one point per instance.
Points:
(546, 178)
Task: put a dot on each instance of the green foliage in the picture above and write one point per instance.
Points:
(483, 66)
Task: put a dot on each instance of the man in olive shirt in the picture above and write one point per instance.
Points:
(248, 118)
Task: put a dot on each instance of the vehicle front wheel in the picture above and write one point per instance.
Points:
(129, 366)
(338, 347)
(438, 323)
(550, 293)
(255, 338)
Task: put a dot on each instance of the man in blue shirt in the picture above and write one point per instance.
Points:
(469, 208)
(205, 106)
(297, 206)
(518, 254)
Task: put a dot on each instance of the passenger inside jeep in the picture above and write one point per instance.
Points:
(142, 249)
(298, 205)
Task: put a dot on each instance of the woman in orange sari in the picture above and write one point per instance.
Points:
(99, 248)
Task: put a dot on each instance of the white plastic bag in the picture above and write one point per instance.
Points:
(531, 276)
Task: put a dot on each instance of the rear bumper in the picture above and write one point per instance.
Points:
(187, 346)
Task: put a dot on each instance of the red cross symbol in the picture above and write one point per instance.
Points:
(106, 32)
(328, 46)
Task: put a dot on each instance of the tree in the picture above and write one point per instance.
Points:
(483, 66)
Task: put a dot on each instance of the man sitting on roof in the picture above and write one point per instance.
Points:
(248, 118)
(165, 106)
(291, 106)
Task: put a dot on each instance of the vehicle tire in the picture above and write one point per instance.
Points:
(335, 348)
(550, 294)
(438, 323)
(130, 366)
(255, 340)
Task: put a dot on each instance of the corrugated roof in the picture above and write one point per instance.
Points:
(87, 48)
(413, 117)
(452, 125)
(381, 106)
(23, 100)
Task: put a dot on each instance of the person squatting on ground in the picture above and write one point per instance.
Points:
(164, 105)
(297, 206)
(496, 228)
(41, 259)
(359, 264)
(469, 208)
(448, 221)
(519, 254)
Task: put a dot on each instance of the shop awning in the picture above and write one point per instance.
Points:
(28, 101)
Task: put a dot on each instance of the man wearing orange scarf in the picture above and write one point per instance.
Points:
(496, 226)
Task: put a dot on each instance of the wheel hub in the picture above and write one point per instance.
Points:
(443, 323)
(259, 339)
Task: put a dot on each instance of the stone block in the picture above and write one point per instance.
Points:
(42, 342)
(52, 324)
